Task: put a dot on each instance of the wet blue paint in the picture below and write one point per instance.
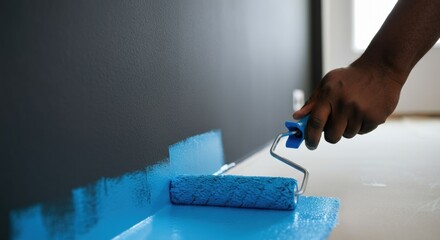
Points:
(139, 202)
(314, 218)
(92, 211)
(112, 205)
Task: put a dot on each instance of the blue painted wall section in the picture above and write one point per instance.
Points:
(112, 205)
(136, 205)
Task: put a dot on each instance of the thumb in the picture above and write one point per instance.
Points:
(306, 109)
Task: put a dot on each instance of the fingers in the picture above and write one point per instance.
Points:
(335, 127)
(336, 123)
(354, 123)
(304, 110)
(353, 128)
(315, 126)
(367, 127)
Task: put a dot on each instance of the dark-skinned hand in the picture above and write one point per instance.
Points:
(349, 101)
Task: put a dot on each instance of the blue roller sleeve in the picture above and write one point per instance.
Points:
(294, 141)
(234, 191)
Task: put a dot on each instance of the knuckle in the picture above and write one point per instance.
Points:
(334, 74)
(354, 106)
(349, 102)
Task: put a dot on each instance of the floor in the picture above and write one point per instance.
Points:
(137, 206)
(388, 181)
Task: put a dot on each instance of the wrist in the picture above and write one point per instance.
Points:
(383, 67)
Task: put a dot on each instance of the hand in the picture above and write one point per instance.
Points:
(349, 101)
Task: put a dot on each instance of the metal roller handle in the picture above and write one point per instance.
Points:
(290, 163)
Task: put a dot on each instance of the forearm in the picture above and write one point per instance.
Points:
(410, 30)
(356, 99)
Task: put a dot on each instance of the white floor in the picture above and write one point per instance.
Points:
(388, 181)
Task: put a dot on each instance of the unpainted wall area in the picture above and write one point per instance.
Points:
(98, 88)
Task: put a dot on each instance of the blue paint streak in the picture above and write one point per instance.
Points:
(112, 205)
(139, 201)
(314, 218)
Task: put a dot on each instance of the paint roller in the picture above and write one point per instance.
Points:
(262, 192)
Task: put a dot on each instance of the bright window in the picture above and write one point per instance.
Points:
(368, 16)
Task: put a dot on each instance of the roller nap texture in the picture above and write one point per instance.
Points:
(234, 191)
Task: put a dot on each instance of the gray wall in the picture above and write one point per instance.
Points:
(93, 88)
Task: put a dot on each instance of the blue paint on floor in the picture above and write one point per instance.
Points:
(314, 218)
(139, 202)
